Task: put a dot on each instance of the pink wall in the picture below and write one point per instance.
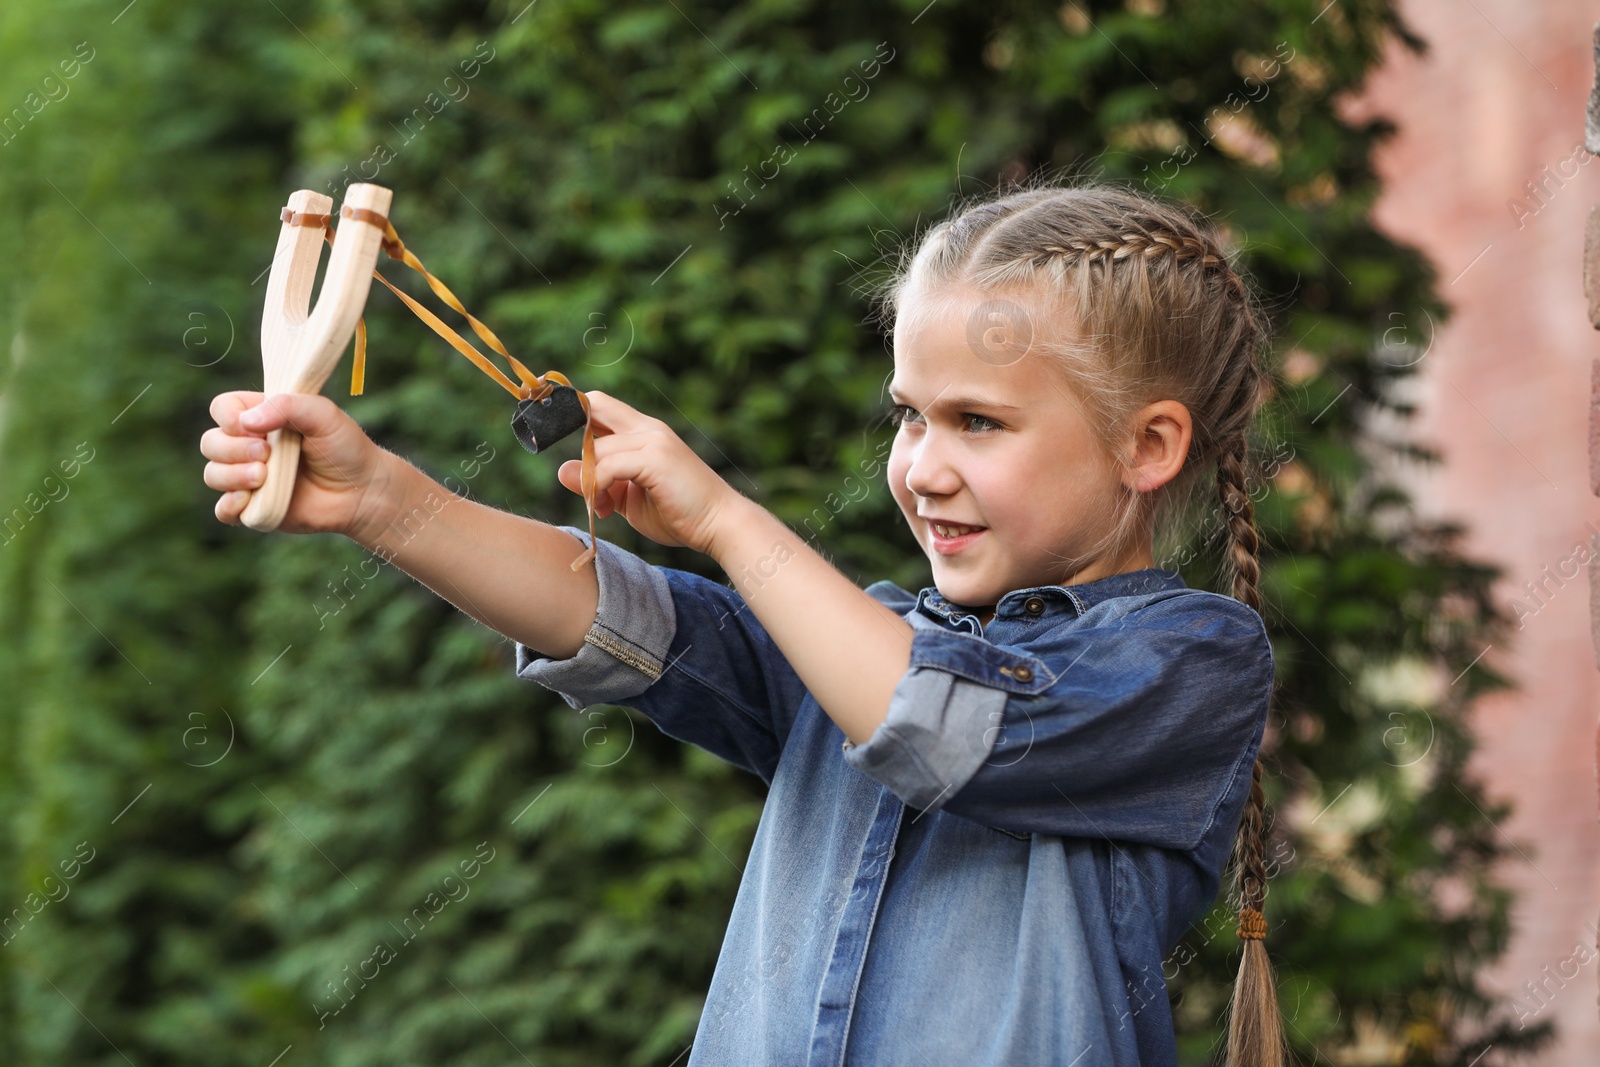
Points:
(1504, 394)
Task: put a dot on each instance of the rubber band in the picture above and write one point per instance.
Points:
(396, 249)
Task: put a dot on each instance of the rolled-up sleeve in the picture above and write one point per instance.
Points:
(625, 650)
(939, 730)
(687, 653)
(1141, 728)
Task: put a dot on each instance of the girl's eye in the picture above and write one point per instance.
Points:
(900, 413)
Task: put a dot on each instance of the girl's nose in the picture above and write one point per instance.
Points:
(930, 473)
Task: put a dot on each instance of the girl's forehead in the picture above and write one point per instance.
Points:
(997, 328)
(1004, 372)
(975, 343)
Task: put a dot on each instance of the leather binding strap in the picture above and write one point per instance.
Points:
(532, 387)
(304, 218)
(361, 214)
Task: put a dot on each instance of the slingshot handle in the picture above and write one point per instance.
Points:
(298, 352)
(270, 503)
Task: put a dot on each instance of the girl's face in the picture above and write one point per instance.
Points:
(991, 435)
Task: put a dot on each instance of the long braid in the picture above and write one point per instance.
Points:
(1255, 1025)
(1243, 544)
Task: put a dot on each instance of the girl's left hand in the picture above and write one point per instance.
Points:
(647, 473)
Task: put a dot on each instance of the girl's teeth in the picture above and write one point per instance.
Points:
(955, 531)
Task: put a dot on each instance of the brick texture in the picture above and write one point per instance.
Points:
(1488, 176)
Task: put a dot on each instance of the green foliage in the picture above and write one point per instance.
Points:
(283, 755)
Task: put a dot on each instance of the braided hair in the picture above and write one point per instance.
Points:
(1135, 301)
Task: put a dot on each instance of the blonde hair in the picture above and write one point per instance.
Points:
(1134, 301)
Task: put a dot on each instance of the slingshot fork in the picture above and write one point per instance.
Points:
(299, 350)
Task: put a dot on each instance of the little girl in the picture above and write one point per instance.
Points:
(997, 803)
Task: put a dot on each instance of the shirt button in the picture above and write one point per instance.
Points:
(1023, 673)
(1034, 605)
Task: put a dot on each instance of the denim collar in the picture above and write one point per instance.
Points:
(1058, 599)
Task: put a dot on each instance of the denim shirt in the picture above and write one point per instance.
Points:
(994, 877)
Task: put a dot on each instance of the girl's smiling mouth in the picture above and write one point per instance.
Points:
(948, 545)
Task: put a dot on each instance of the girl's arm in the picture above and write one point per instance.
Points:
(849, 650)
(684, 650)
(512, 574)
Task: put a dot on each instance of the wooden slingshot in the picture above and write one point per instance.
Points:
(299, 350)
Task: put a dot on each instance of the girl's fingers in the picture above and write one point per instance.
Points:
(227, 448)
(615, 417)
(230, 506)
(620, 460)
(613, 473)
(612, 443)
(607, 499)
(229, 476)
(607, 451)
(570, 474)
(237, 455)
(612, 499)
(226, 407)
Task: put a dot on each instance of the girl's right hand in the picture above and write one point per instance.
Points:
(342, 472)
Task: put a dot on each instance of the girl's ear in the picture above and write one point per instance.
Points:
(1161, 435)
